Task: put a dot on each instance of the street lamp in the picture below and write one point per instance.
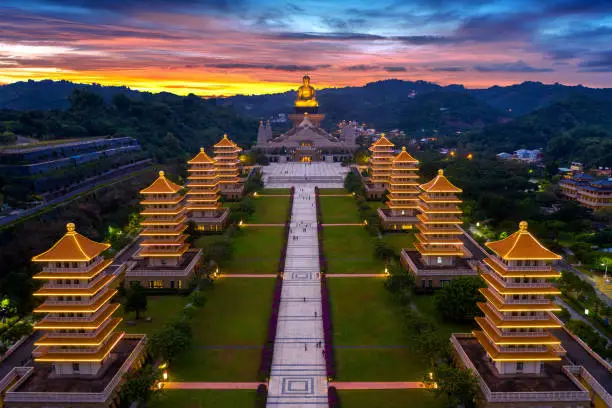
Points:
(605, 272)
(586, 312)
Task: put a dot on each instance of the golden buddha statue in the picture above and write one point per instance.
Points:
(306, 94)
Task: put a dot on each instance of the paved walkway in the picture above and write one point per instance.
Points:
(393, 385)
(299, 377)
(304, 175)
(211, 385)
(247, 275)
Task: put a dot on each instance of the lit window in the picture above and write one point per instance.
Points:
(157, 284)
(439, 260)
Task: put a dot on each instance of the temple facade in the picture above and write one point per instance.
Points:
(306, 141)
(203, 205)
(381, 163)
(81, 358)
(164, 260)
(403, 200)
(439, 254)
(518, 361)
(227, 165)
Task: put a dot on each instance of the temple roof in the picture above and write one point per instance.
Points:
(521, 245)
(440, 184)
(201, 158)
(225, 142)
(382, 141)
(404, 157)
(161, 186)
(72, 247)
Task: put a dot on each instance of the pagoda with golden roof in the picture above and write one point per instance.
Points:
(440, 254)
(164, 259)
(228, 168)
(381, 164)
(79, 328)
(203, 195)
(518, 311)
(403, 200)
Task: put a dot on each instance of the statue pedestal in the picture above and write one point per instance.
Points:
(311, 110)
(297, 118)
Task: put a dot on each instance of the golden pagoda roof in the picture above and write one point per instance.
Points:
(382, 141)
(404, 157)
(440, 184)
(521, 245)
(201, 158)
(72, 247)
(162, 186)
(225, 142)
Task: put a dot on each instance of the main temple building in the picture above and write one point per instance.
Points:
(306, 141)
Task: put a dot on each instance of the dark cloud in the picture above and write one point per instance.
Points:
(495, 27)
(447, 69)
(345, 23)
(597, 62)
(339, 36)
(425, 39)
(131, 5)
(518, 66)
(395, 69)
(560, 54)
(290, 68)
(361, 67)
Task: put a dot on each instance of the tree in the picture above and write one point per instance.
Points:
(457, 300)
(174, 337)
(383, 250)
(136, 300)
(139, 386)
(432, 345)
(458, 385)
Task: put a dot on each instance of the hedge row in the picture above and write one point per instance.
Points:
(322, 260)
(283, 255)
(333, 400)
(330, 361)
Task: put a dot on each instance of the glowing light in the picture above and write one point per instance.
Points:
(165, 375)
(586, 312)
(470, 156)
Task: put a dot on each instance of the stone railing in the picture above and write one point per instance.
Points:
(519, 268)
(515, 396)
(71, 398)
(591, 381)
(437, 271)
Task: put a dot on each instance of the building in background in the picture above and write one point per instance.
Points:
(227, 165)
(81, 359)
(403, 200)
(381, 163)
(588, 191)
(439, 254)
(165, 259)
(203, 205)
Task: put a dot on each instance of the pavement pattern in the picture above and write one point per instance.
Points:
(298, 378)
(321, 174)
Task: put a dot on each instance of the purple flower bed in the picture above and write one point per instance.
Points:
(330, 361)
(333, 400)
(261, 397)
(322, 260)
(283, 255)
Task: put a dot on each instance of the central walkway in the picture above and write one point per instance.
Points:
(298, 377)
(324, 175)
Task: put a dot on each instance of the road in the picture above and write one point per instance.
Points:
(563, 264)
(579, 356)
(20, 357)
(31, 211)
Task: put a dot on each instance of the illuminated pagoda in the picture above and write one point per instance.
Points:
(381, 163)
(403, 200)
(80, 353)
(203, 196)
(164, 259)
(440, 254)
(228, 171)
(519, 360)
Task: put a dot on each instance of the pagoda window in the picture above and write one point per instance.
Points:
(58, 264)
(75, 367)
(75, 281)
(59, 281)
(66, 264)
(75, 265)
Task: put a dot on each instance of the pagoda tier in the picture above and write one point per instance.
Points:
(79, 328)
(438, 238)
(518, 309)
(227, 165)
(163, 242)
(381, 163)
(403, 185)
(203, 195)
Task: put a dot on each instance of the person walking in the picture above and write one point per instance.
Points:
(305, 347)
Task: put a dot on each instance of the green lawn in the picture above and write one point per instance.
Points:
(274, 191)
(228, 333)
(426, 306)
(389, 399)
(399, 240)
(369, 340)
(205, 240)
(255, 250)
(331, 191)
(159, 308)
(270, 210)
(350, 250)
(339, 210)
(204, 399)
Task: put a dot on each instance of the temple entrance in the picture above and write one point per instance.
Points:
(306, 159)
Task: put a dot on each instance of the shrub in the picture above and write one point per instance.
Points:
(261, 396)
(333, 400)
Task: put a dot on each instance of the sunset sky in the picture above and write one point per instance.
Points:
(225, 47)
